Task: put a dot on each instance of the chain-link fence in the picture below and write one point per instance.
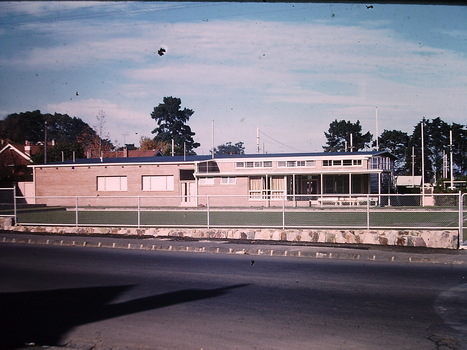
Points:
(463, 220)
(434, 211)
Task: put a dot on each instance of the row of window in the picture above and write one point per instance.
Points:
(342, 162)
(227, 180)
(299, 163)
(265, 164)
(152, 183)
(149, 183)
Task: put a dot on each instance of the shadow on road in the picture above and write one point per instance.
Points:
(43, 317)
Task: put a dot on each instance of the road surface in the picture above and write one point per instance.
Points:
(95, 298)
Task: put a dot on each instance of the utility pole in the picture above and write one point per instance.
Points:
(423, 161)
(212, 141)
(377, 131)
(45, 142)
(451, 168)
(257, 139)
(413, 166)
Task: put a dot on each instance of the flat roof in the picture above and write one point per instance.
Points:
(201, 158)
(409, 181)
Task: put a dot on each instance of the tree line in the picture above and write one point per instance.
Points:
(73, 136)
(345, 136)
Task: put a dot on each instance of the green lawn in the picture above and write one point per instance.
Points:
(330, 218)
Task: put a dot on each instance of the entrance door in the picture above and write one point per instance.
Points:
(188, 193)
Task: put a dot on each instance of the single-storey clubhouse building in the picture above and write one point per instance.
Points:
(252, 180)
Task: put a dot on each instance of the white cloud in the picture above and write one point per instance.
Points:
(301, 75)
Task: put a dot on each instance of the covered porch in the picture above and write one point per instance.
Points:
(350, 189)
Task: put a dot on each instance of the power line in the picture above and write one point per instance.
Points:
(281, 143)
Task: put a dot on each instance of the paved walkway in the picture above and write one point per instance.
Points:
(247, 247)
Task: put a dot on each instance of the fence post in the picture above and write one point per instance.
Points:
(207, 213)
(76, 212)
(139, 211)
(283, 213)
(14, 205)
(368, 211)
(460, 239)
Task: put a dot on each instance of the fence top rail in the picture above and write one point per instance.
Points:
(285, 196)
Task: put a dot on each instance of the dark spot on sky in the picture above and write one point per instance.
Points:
(161, 51)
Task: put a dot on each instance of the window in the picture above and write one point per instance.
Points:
(208, 167)
(311, 163)
(256, 187)
(265, 164)
(270, 187)
(277, 187)
(112, 183)
(158, 183)
(206, 181)
(281, 164)
(291, 163)
(352, 162)
(329, 162)
(228, 180)
(384, 163)
(186, 175)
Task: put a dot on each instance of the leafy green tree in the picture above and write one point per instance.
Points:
(63, 128)
(61, 151)
(172, 125)
(21, 127)
(71, 134)
(148, 144)
(30, 126)
(436, 145)
(339, 139)
(459, 149)
(93, 146)
(228, 148)
(397, 143)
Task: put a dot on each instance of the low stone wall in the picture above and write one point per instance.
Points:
(410, 238)
(6, 223)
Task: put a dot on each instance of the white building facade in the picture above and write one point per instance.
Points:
(304, 179)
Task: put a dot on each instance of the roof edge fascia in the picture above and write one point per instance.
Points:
(67, 165)
(22, 154)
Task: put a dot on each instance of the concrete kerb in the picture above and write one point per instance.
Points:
(222, 247)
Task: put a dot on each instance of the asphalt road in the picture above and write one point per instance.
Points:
(95, 298)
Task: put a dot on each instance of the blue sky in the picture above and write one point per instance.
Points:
(288, 69)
